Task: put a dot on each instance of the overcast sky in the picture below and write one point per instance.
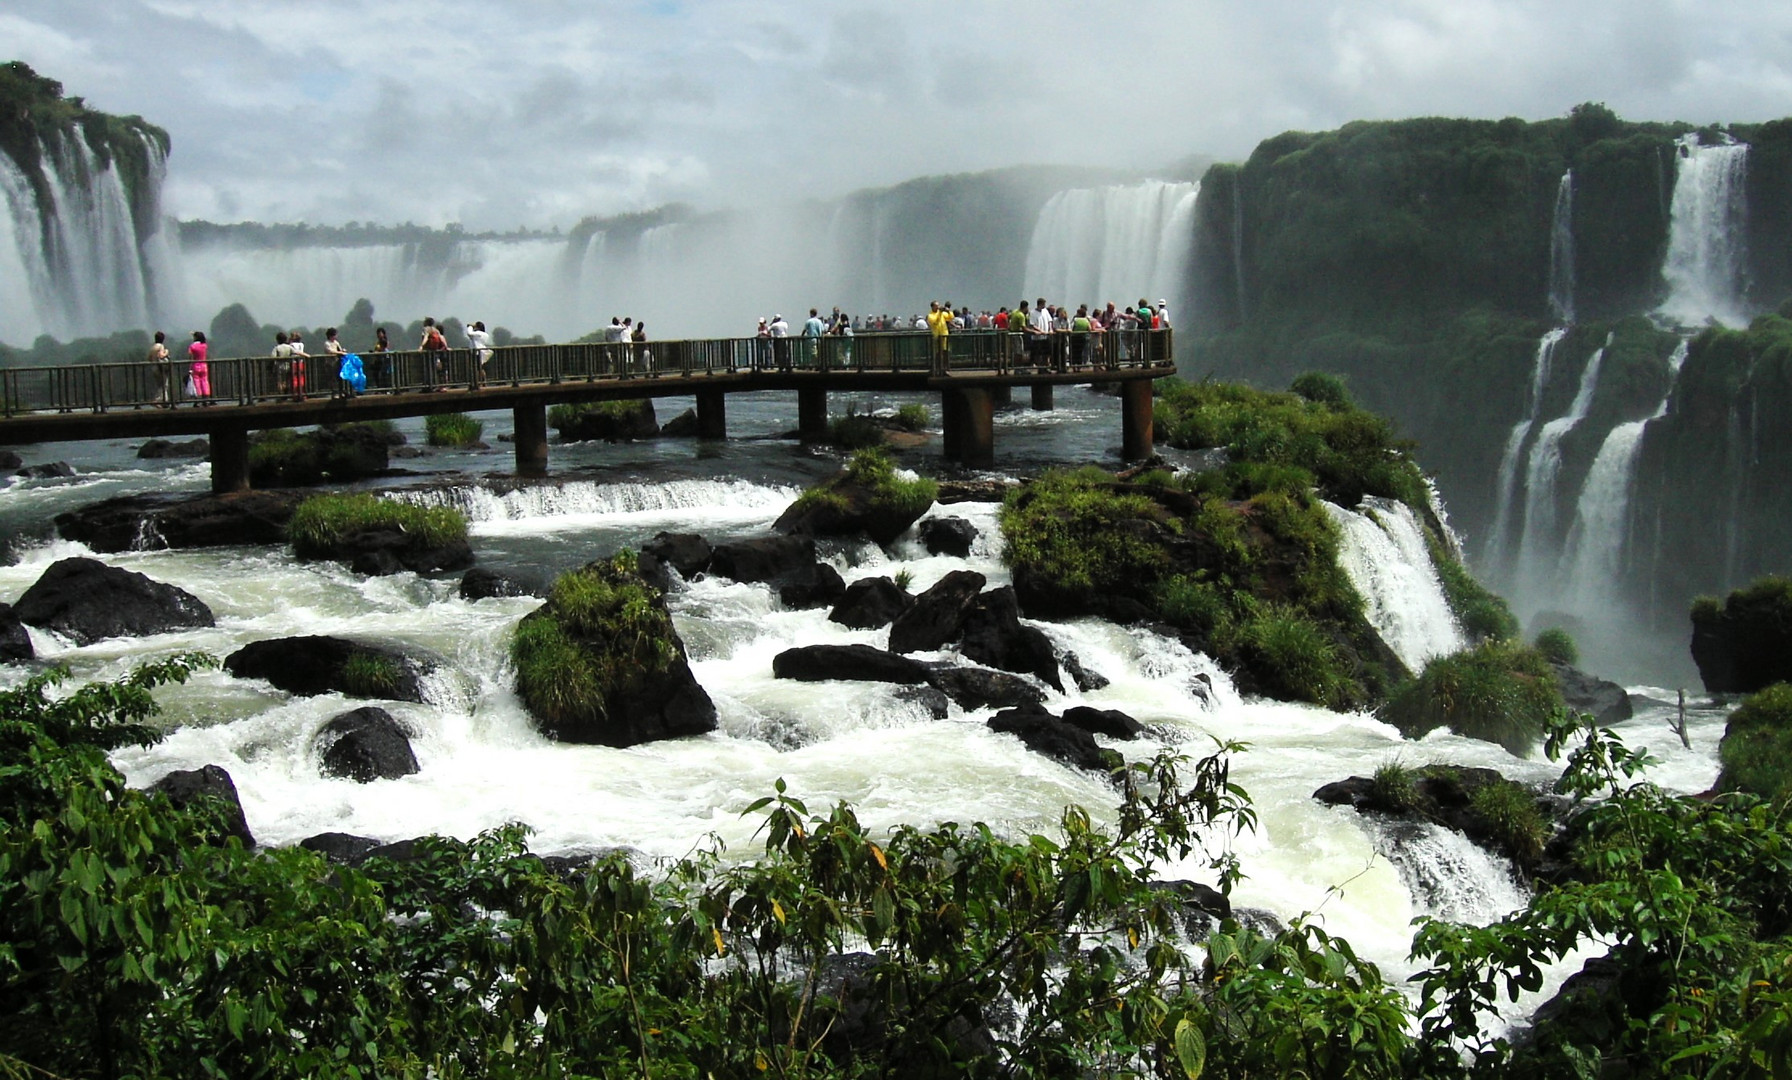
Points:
(538, 112)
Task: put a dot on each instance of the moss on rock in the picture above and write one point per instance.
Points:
(1501, 691)
(1756, 752)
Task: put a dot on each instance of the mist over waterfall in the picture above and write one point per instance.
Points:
(80, 254)
(1115, 243)
(1561, 251)
(1708, 234)
(1385, 554)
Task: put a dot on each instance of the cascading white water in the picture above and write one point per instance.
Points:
(1385, 554)
(81, 268)
(1707, 234)
(584, 498)
(1118, 243)
(1561, 251)
(1506, 484)
(1598, 538)
(1540, 545)
(1450, 876)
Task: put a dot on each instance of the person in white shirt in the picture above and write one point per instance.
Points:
(781, 342)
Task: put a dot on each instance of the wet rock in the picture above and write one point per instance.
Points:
(339, 453)
(1590, 1010)
(992, 634)
(1046, 734)
(1201, 907)
(1110, 722)
(682, 426)
(316, 664)
(380, 552)
(344, 849)
(1744, 644)
(481, 584)
(10, 461)
(818, 585)
(15, 642)
(54, 470)
(365, 745)
(86, 600)
(189, 789)
(150, 522)
(981, 688)
(687, 553)
(869, 603)
(855, 663)
(158, 449)
(1084, 679)
(937, 615)
(948, 536)
(609, 421)
(937, 704)
(764, 559)
(852, 507)
(1607, 701)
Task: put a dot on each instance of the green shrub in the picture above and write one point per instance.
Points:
(1077, 531)
(913, 417)
(553, 675)
(567, 414)
(1501, 691)
(1483, 613)
(1756, 751)
(1508, 811)
(370, 675)
(322, 522)
(1395, 787)
(1297, 660)
(1322, 388)
(1557, 646)
(1192, 604)
(875, 469)
(904, 578)
(855, 432)
(453, 429)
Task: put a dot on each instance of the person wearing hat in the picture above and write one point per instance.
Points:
(1162, 320)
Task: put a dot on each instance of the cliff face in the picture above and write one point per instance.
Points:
(1425, 260)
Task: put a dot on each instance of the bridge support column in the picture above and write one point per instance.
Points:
(1135, 419)
(530, 420)
(1042, 397)
(712, 414)
(970, 427)
(230, 460)
(1001, 395)
(812, 414)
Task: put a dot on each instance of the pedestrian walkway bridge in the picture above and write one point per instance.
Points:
(978, 371)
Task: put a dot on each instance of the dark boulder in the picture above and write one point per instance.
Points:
(607, 421)
(1200, 906)
(1744, 643)
(344, 849)
(992, 634)
(937, 615)
(816, 585)
(869, 603)
(937, 704)
(1606, 700)
(365, 745)
(981, 688)
(149, 522)
(379, 552)
(86, 600)
(53, 470)
(339, 453)
(210, 788)
(309, 666)
(764, 559)
(1084, 679)
(682, 426)
(157, 449)
(1046, 734)
(1110, 722)
(687, 553)
(482, 584)
(849, 506)
(10, 461)
(974, 491)
(948, 536)
(854, 663)
(15, 642)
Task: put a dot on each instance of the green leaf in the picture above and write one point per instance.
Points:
(1191, 1048)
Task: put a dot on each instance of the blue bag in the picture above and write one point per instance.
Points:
(352, 374)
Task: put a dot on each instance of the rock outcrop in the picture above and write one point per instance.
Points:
(948, 536)
(150, 522)
(992, 634)
(190, 789)
(937, 616)
(15, 642)
(763, 559)
(365, 745)
(86, 600)
(316, 664)
(855, 663)
(1046, 734)
(870, 603)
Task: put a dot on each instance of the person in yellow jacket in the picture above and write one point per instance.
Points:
(939, 323)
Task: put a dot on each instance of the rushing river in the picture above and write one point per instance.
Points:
(483, 764)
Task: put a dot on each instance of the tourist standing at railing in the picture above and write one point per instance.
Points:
(281, 367)
(1079, 337)
(780, 342)
(435, 345)
(1162, 322)
(643, 356)
(481, 343)
(336, 352)
(199, 373)
(382, 364)
(939, 323)
(163, 370)
(1039, 333)
(812, 331)
(299, 356)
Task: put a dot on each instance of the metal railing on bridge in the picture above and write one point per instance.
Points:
(256, 380)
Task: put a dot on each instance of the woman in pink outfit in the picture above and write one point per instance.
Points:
(199, 375)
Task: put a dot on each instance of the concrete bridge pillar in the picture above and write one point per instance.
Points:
(812, 414)
(712, 414)
(1042, 397)
(1001, 395)
(1135, 419)
(970, 427)
(530, 422)
(230, 460)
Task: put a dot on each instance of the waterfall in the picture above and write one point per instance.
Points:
(1538, 545)
(1449, 876)
(1561, 251)
(1507, 483)
(1600, 534)
(585, 498)
(1116, 243)
(1385, 554)
(1707, 234)
(75, 264)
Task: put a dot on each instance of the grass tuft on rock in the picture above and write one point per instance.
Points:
(1501, 691)
(877, 470)
(1756, 751)
(1483, 614)
(913, 417)
(452, 429)
(370, 675)
(1558, 647)
(1508, 812)
(321, 524)
(1396, 787)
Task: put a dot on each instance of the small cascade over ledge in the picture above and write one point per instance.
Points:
(1385, 554)
(1540, 545)
(1506, 484)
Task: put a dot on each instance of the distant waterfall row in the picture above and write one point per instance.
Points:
(75, 258)
(1118, 243)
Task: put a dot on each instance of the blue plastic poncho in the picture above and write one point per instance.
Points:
(352, 374)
